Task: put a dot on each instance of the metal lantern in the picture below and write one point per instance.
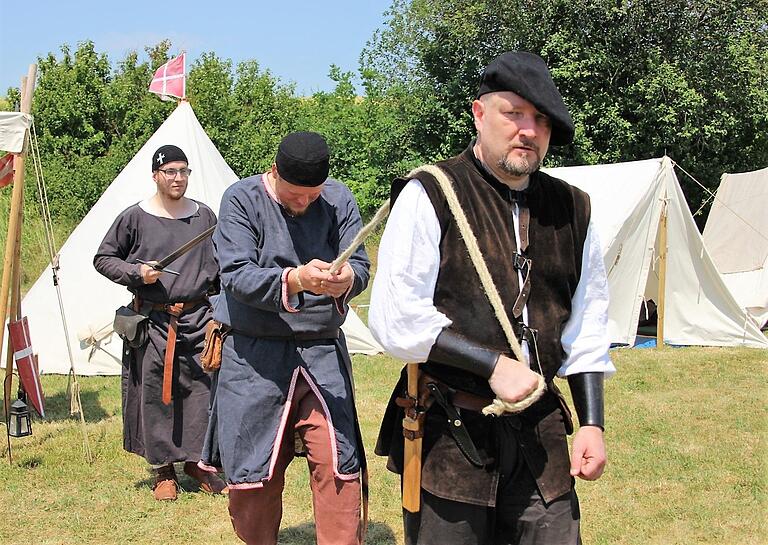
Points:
(19, 423)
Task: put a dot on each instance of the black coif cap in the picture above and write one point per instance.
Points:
(302, 159)
(167, 154)
(527, 75)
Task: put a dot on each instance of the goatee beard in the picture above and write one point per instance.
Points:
(522, 166)
(295, 213)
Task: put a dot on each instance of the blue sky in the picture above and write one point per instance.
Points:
(297, 40)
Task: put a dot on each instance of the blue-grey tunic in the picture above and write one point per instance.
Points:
(256, 242)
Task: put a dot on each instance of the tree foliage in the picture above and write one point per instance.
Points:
(685, 78)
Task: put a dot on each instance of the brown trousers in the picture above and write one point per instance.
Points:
(256, 512)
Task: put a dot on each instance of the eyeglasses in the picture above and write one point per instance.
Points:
(173, 172)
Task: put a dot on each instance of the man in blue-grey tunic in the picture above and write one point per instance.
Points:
(285, 370)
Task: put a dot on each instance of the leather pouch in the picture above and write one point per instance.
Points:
(210, 358)
(131, 326)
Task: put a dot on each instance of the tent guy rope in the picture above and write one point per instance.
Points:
(73, 386)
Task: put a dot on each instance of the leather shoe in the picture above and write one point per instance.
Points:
(166, 487)
(209, 482)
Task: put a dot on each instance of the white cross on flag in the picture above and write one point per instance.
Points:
(170, 79)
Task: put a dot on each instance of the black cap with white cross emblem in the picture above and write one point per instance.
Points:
(167, 154)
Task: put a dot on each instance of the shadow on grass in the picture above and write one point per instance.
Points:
(30, 463)
(57, 407)
(147, 482)
(186, 483)
(304, 534)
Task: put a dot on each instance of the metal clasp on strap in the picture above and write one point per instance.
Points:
(521, 263)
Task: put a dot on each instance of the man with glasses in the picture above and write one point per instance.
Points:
(165, 391)
(508, 479)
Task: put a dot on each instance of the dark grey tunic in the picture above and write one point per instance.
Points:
(256, 242)
(160, 433)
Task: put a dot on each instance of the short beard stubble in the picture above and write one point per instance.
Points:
(521, 166)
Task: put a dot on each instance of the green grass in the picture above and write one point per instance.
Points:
(687, 433)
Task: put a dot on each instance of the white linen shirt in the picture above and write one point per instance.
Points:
(404, 319)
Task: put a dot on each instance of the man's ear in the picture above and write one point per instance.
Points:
(478, 113)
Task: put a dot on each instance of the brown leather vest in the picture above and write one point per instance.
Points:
(559, 217)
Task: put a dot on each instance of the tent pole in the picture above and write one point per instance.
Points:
(12, 243)
(662, 276)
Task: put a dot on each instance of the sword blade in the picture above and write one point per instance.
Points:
(184, 248)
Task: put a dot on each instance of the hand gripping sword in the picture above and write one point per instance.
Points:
(178, 252)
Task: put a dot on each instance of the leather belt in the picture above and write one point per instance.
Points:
(187, 305)
(297, 337)
(174, 310)
(462, 400)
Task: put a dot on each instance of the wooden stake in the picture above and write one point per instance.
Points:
(12, 243)
(662, 276)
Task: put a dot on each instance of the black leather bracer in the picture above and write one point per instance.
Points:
(588, 398)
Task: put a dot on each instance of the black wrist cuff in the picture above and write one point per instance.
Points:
(457, 351)
(587, 393)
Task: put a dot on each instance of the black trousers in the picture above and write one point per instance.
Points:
(520, 516)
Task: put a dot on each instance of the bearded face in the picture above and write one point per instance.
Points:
(513, 136)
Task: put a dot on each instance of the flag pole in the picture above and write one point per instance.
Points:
(13, 241)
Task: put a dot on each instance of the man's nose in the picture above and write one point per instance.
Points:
(528, 126)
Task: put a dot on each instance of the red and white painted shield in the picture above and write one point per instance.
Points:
(26, 364)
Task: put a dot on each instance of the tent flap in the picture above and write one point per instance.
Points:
(736, 235)
(627, 203)
(13, 129)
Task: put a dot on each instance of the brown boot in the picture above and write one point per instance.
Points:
(209, 482)
(166, 486)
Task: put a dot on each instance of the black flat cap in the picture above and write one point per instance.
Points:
(302, 159)
(167, 154)
(527, 75)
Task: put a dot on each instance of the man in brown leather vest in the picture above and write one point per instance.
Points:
(507, 479)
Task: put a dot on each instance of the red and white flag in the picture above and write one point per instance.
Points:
(6, 169)
(170, 79)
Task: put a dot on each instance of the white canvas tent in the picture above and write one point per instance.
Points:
(90, 299)
(627, 203)
(736, 235)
